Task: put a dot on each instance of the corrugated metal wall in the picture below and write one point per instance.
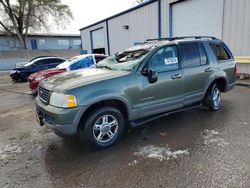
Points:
(165, 16)
(143, 24)
(236, 26)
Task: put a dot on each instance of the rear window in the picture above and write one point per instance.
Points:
(220, 52)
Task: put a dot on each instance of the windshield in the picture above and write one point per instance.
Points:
(123, 61)
(29, 63)
(67, 63)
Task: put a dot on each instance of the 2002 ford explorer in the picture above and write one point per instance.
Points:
(137, 85)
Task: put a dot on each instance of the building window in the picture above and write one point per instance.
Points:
(63, 42)
(77, 42)
(41, 42)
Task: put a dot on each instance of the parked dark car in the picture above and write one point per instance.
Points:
(21, 64)
(21, 73)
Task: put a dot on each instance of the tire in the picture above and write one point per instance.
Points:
(213, 98)
(103, 127)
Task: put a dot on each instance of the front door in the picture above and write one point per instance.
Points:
(166, 93)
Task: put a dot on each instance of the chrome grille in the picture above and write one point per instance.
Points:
(44, 94)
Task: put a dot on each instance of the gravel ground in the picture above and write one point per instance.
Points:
(195, 148)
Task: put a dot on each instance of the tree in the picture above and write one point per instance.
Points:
(19, 17)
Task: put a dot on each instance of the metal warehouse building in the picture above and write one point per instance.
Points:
(41, 42)
(228, 20)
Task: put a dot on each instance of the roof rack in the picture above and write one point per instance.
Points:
(178, 38)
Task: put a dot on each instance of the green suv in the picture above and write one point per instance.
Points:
(132, 87)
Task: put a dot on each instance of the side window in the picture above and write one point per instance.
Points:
(164, 59)
(55, 60)
(89, 61)
(50, 61)
(191, 55)
(220, 52)
(203, 55)
(39, 62)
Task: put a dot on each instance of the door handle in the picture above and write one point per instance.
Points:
(176, 76)
(209, 69)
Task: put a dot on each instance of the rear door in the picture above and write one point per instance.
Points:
(197, 70)
(167, 92)
(225, 60)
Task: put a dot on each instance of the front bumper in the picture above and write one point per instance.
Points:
(230, 87)
(64, 122)
(14, 75)
(33, 84)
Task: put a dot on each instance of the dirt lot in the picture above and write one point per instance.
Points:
(195, 148)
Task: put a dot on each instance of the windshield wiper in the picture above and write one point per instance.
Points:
(104, 66)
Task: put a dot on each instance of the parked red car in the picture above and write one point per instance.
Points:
(35, 78)
(77, 62)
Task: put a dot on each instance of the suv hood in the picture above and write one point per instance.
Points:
(73, 79)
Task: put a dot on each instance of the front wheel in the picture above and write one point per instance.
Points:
(104, 127)
(213, 98)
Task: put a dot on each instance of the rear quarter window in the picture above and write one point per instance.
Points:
(220, 52)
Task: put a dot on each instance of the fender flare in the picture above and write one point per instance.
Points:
(99, 99)
(213, 80)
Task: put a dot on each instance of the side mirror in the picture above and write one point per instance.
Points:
(152, 75)
(144, 72)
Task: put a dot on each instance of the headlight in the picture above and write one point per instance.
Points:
(14, 71)
(62, 100)
(39, 78)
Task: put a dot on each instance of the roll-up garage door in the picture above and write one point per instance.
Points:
(98, 43)
(197, 17)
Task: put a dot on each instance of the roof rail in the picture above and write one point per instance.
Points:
(158, 39)
(184, 37)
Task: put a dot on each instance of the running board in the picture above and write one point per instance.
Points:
(142, 121)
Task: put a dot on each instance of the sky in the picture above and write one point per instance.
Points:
(86, 12)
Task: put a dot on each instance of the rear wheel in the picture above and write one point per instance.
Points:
(104, 127)
(213, 98)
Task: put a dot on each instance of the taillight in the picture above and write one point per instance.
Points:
(235, 70)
